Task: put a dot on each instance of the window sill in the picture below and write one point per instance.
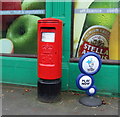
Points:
(19, 55)
(109, 62)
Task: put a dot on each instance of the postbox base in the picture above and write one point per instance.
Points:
(49, 90)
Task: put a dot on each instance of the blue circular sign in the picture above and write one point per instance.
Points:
(84, 82)
(91, 91)
(90, 63)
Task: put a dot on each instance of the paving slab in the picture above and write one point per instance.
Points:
(22, 100)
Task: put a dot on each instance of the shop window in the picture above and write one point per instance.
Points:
(19, 27)
(95, 29)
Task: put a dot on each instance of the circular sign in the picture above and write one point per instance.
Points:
(84, 82)
(91, 91)
(90, 63)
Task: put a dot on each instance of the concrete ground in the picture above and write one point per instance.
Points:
(22, 100)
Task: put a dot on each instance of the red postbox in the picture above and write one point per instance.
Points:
(49, 48)
(49, 59)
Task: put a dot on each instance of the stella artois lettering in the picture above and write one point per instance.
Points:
(87, 47)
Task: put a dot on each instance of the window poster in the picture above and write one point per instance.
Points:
(19, 25)
(96, 28)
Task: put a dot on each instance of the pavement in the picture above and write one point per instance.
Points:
(22, 100)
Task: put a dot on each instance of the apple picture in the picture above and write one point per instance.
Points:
(6, 46)
(23, 33)
(103, 19)
(9, 5)
(34, 5)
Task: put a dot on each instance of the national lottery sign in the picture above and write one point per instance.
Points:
(90, 63)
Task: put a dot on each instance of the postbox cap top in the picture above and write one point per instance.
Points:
(49, 20)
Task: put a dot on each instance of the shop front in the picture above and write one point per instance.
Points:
(87, 27)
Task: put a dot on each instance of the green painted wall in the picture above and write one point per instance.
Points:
(23, 71)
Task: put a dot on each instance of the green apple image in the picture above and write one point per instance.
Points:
(34, 5)
(23, 33)
(104, 19)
